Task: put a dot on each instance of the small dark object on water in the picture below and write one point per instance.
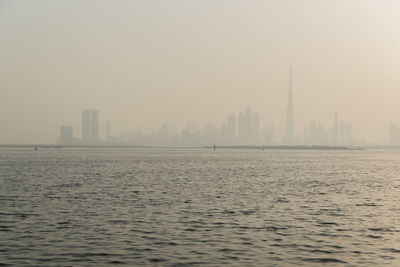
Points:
(35, 148)
(215, 147)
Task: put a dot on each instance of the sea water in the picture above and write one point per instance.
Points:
(99, 207)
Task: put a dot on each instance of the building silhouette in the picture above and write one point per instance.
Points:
(268, 136)
(90, 126)
(248, 128)
(228, 131)
(86, 126)
(341, 132)
(394, 134)
(108, 130)
(316, 134)
(289, 138)
(66, 135)
(231, 129)
(94, 125)
(256, 129)
(335, 130)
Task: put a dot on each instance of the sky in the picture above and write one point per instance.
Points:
(147, 63)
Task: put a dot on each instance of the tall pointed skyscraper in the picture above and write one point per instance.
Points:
(289, 138)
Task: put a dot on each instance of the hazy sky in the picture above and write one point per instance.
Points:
(147, 63)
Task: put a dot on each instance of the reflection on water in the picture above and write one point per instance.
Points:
(182, 207)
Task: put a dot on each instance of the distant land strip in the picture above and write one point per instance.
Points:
(281, 147)
(287, 147)
(70, 146)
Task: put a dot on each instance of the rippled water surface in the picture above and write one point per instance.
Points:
(98, 207)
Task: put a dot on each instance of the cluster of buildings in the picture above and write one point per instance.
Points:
(243, 129)
(340, 134)
(90, 130)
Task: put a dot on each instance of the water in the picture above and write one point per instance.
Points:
(72, 207)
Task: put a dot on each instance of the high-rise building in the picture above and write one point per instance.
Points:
(348, 134)
(86, 125)
(335, 129)
(94, 125)
(231, 129)
(394, 134)
(66, 135)
(268, 136)
(341, 132)
(241, 129)
(246, 127)
(289, 138)
(227, 134)
(248, 122)
(108, 130)
(90, 126)
(256, 129)
(316, 134)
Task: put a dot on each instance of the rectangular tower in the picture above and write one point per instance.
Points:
(248, 120)
(108, 130)
(94, 125)
(90, 126)
(66, 135)
(231, 129)
(86, 126)
(256, 129)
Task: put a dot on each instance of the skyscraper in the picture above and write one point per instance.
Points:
(248, 121)
(94, 125)
(108, 130)
(230, 131)
(86, 126)
(241, 129)
(289, 138)
(256, 129)
(349, 137)
(66, 135)
(335, 129)
(90, 126)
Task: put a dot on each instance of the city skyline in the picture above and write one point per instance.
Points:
(145, 64)
(243, 129)
(215, 133)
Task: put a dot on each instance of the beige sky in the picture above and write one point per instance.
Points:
(147, 63)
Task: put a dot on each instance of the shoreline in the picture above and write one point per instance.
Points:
(244, 147)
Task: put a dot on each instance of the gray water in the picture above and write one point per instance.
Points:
(93, 207)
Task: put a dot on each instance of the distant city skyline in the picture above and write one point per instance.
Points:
(144, 64)
(243, 129)
(209, 132)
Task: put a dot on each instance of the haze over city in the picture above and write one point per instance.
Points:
(144, 64)
(199, 133)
